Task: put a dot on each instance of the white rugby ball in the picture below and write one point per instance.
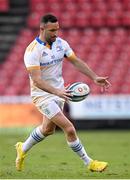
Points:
(79, 91)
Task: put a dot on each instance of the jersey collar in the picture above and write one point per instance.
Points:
(40, 41)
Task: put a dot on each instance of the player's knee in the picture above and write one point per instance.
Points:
(70, 130)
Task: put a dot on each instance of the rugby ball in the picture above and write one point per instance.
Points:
(79, 91)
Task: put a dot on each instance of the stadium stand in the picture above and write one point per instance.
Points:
(98, 31)
(11, 22)
(4, 5)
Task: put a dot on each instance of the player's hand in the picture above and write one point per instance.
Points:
(65, 94)
(103, 82)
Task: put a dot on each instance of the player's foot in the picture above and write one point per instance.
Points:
(97, 166)
(20, 156)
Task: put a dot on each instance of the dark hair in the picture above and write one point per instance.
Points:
(48, 18)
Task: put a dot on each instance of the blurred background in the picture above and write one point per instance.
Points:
(99, 33)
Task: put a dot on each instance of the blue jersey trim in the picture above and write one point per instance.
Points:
(40, 41)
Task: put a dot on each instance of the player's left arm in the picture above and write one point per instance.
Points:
(85, 69)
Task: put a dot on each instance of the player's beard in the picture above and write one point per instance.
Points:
(51, 40)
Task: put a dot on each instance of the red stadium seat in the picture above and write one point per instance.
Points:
(55, 8)
(82, 20)
(67, 20)
(101, 7)
(4, 5)
(33, 20)
(126, 18)
(113, 19)
(126, 5)
(38, 7)
(85, 7)
(97, 19)
(116, 6)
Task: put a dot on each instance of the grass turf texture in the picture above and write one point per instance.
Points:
(53, 159)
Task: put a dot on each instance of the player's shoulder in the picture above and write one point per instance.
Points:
(33, 46)
(32, 51)
(61, 40)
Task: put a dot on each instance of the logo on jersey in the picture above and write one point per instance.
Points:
(52, 57)
(55, 61)
(44, 53)
(59, 48)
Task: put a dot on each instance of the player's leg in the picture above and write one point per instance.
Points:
(71, 136)
(75, 144)
(37, 135)
(47, 127)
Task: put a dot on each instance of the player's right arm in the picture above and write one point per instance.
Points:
(42, 84)
(32, 63)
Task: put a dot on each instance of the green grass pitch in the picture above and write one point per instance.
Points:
(53, 159)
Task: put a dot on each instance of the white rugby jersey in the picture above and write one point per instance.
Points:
(39, 56)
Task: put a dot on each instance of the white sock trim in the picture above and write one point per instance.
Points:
(71, 144)
(78, 148)
(39, 132)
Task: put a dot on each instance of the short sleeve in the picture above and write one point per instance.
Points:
(68, 49)
(31, 59)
